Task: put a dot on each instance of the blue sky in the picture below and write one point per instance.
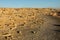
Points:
(30, 3)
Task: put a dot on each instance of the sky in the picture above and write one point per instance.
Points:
(30, 3)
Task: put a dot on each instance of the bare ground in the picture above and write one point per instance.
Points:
(29, 24)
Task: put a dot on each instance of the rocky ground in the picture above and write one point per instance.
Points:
(29, 24)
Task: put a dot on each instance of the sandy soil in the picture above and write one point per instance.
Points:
(29, 24)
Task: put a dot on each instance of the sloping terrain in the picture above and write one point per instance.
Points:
(29, 24)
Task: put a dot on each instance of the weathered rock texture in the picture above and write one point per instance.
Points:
(29, 24)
